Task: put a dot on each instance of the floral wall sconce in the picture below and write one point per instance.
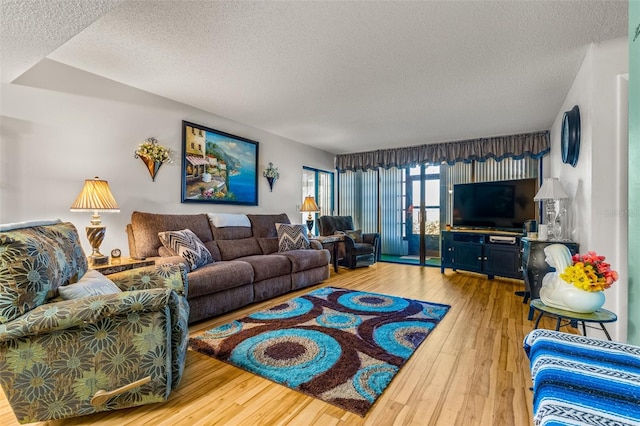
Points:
(152, 155)
(271, 173)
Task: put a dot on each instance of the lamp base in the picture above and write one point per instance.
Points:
(310, 226)
(95, 235)
(99, 259)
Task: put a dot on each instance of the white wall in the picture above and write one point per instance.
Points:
(634, 173)
(597, 185)
(60, 126)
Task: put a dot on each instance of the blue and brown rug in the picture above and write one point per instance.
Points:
(341, 346)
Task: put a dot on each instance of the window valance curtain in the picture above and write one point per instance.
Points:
(533, 145)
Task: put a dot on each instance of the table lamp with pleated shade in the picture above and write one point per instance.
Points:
(309, 206)
(95, 196)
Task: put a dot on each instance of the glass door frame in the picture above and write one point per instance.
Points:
(410, 236)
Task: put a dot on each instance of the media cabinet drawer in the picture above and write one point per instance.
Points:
(468, 238)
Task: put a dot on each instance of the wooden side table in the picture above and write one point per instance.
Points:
(120, 264)
(601, 316)
(331, 243)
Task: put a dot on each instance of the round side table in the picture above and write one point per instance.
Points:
(601, 316)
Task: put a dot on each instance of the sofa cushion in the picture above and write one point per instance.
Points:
(268, 266)
(212, 246)
(223, 220)
(145, 228)
(268, 245)
(233, 249)
(186, 244)
(362, 248)
(303, 260)
(93, 283)
(34, 262)
(292, 237)
(328, 225)
(356, 235)
(166, 252)
(230, 232)
(264, 225)
(219, 276)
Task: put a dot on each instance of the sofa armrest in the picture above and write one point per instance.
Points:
(172, 278)
(370, 237)
(168, 275)
(315, 244)
(349, 243)
(374, 239)
(174, 259)
(67, 314)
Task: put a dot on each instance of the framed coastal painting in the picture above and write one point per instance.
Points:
(218, 167)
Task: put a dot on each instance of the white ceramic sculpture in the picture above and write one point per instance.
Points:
(558, 293)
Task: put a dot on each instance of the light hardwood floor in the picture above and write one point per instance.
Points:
(471, 370)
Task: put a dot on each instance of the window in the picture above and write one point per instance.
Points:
(319, 185)
(389, 201)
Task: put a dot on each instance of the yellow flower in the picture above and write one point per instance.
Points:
(584, 277)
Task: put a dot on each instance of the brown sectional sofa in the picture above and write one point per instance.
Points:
(247, 266)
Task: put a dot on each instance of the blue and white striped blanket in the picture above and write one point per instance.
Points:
(580, 380)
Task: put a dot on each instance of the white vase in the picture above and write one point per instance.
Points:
(585, 301)
(557, 293)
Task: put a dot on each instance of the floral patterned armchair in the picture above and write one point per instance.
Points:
(65, 358)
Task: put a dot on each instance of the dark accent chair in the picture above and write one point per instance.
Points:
(355, 254)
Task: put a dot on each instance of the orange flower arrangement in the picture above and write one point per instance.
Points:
(590, 272)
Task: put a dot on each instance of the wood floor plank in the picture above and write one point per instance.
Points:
(471, 370)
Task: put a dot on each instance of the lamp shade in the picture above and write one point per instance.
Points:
(309, 205)
(95, 196)
(550, 190)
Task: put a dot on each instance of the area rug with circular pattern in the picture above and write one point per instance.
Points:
(341, 346)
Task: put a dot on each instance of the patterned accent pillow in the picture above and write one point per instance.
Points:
(93, 283)
(356, 235)
(187, 244)
(292, 237)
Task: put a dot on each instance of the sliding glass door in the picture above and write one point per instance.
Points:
(422, 225)
(390, 201)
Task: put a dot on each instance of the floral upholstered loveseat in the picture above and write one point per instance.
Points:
(58, 356)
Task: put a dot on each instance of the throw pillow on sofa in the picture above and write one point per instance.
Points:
(93, 283)
(356, 235)
(292, 237)
(187, 244)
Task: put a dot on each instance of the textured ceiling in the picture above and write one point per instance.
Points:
(342, 76)
(32, 29)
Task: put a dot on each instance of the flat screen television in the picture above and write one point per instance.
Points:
(501, 205)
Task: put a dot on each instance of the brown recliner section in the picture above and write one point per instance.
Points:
(247, 265)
